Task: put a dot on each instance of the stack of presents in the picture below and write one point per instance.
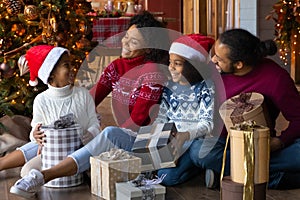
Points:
(117, 174)
(114, 174)
(246, 121)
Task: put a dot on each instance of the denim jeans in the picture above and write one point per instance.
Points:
(110, 137)
(29, 150)
(283, 160)
(184, 170)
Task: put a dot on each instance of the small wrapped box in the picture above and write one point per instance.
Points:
(231, 190)
(249, 143)
(153, 146)
(244, 107)
(111, 167)
(125, 191)
(61, 141)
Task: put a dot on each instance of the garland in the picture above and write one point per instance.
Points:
(286, 14)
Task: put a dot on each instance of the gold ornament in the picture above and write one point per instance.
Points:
(31, 12)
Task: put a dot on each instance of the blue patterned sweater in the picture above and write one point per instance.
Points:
(189, 107)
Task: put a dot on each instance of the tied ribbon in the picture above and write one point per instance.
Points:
(146, 185)
(115, 154)
(241, 104)
(65, 121)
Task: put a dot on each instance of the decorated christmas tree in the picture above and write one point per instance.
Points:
(25, 23)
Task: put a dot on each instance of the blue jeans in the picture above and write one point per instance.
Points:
(29, 150)
(184, 170)
(110, 137)
(286, 159)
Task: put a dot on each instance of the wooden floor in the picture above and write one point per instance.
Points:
(192, 190)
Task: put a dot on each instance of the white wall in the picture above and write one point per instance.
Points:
(252, 18)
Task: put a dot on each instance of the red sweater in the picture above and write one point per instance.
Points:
(279, 91)
(136, 86)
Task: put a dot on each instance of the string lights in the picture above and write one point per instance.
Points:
(286, 14)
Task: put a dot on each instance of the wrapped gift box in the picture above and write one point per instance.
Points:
(60, 143)
(105, 172)
(153, 146)
(239, 147)
(244, 107)
(125, 191)
(231, 190)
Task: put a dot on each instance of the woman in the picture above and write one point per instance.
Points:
(135, 79)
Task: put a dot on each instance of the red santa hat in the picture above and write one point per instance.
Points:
(41, 61)
(192, 47)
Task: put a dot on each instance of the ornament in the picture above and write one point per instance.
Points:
(23, 65)
(31, 12)
(13, 6)
(9, 73)
(53, 24)
(83, 43)
(4, 67)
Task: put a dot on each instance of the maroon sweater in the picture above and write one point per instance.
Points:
(136, 87)
(279, 92)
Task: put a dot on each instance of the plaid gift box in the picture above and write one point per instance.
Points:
(125, 191)
(59, 144)
(152, 145)
(105, 172)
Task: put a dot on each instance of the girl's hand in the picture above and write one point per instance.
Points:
(179, 140)
(39, 135)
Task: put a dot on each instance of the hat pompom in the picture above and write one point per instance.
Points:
(33, 83)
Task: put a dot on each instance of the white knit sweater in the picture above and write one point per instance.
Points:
(54, 102)
(189, 107)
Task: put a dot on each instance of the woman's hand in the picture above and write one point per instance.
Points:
(86, 137)
(38, 134)
(179, 140)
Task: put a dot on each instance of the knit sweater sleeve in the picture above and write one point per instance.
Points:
(287, 99)
(205, 124)
(37, 116)
(93, 123)
(152, 81)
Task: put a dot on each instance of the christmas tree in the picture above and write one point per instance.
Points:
(25, 23)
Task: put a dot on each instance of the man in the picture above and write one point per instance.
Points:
(240, 58)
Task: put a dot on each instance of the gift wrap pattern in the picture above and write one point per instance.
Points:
(244, 107)
(60, 143)
(105, 173)
(125, 191)
(153, 146)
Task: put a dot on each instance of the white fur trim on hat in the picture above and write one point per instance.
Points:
(49, 63)
(188, 53)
